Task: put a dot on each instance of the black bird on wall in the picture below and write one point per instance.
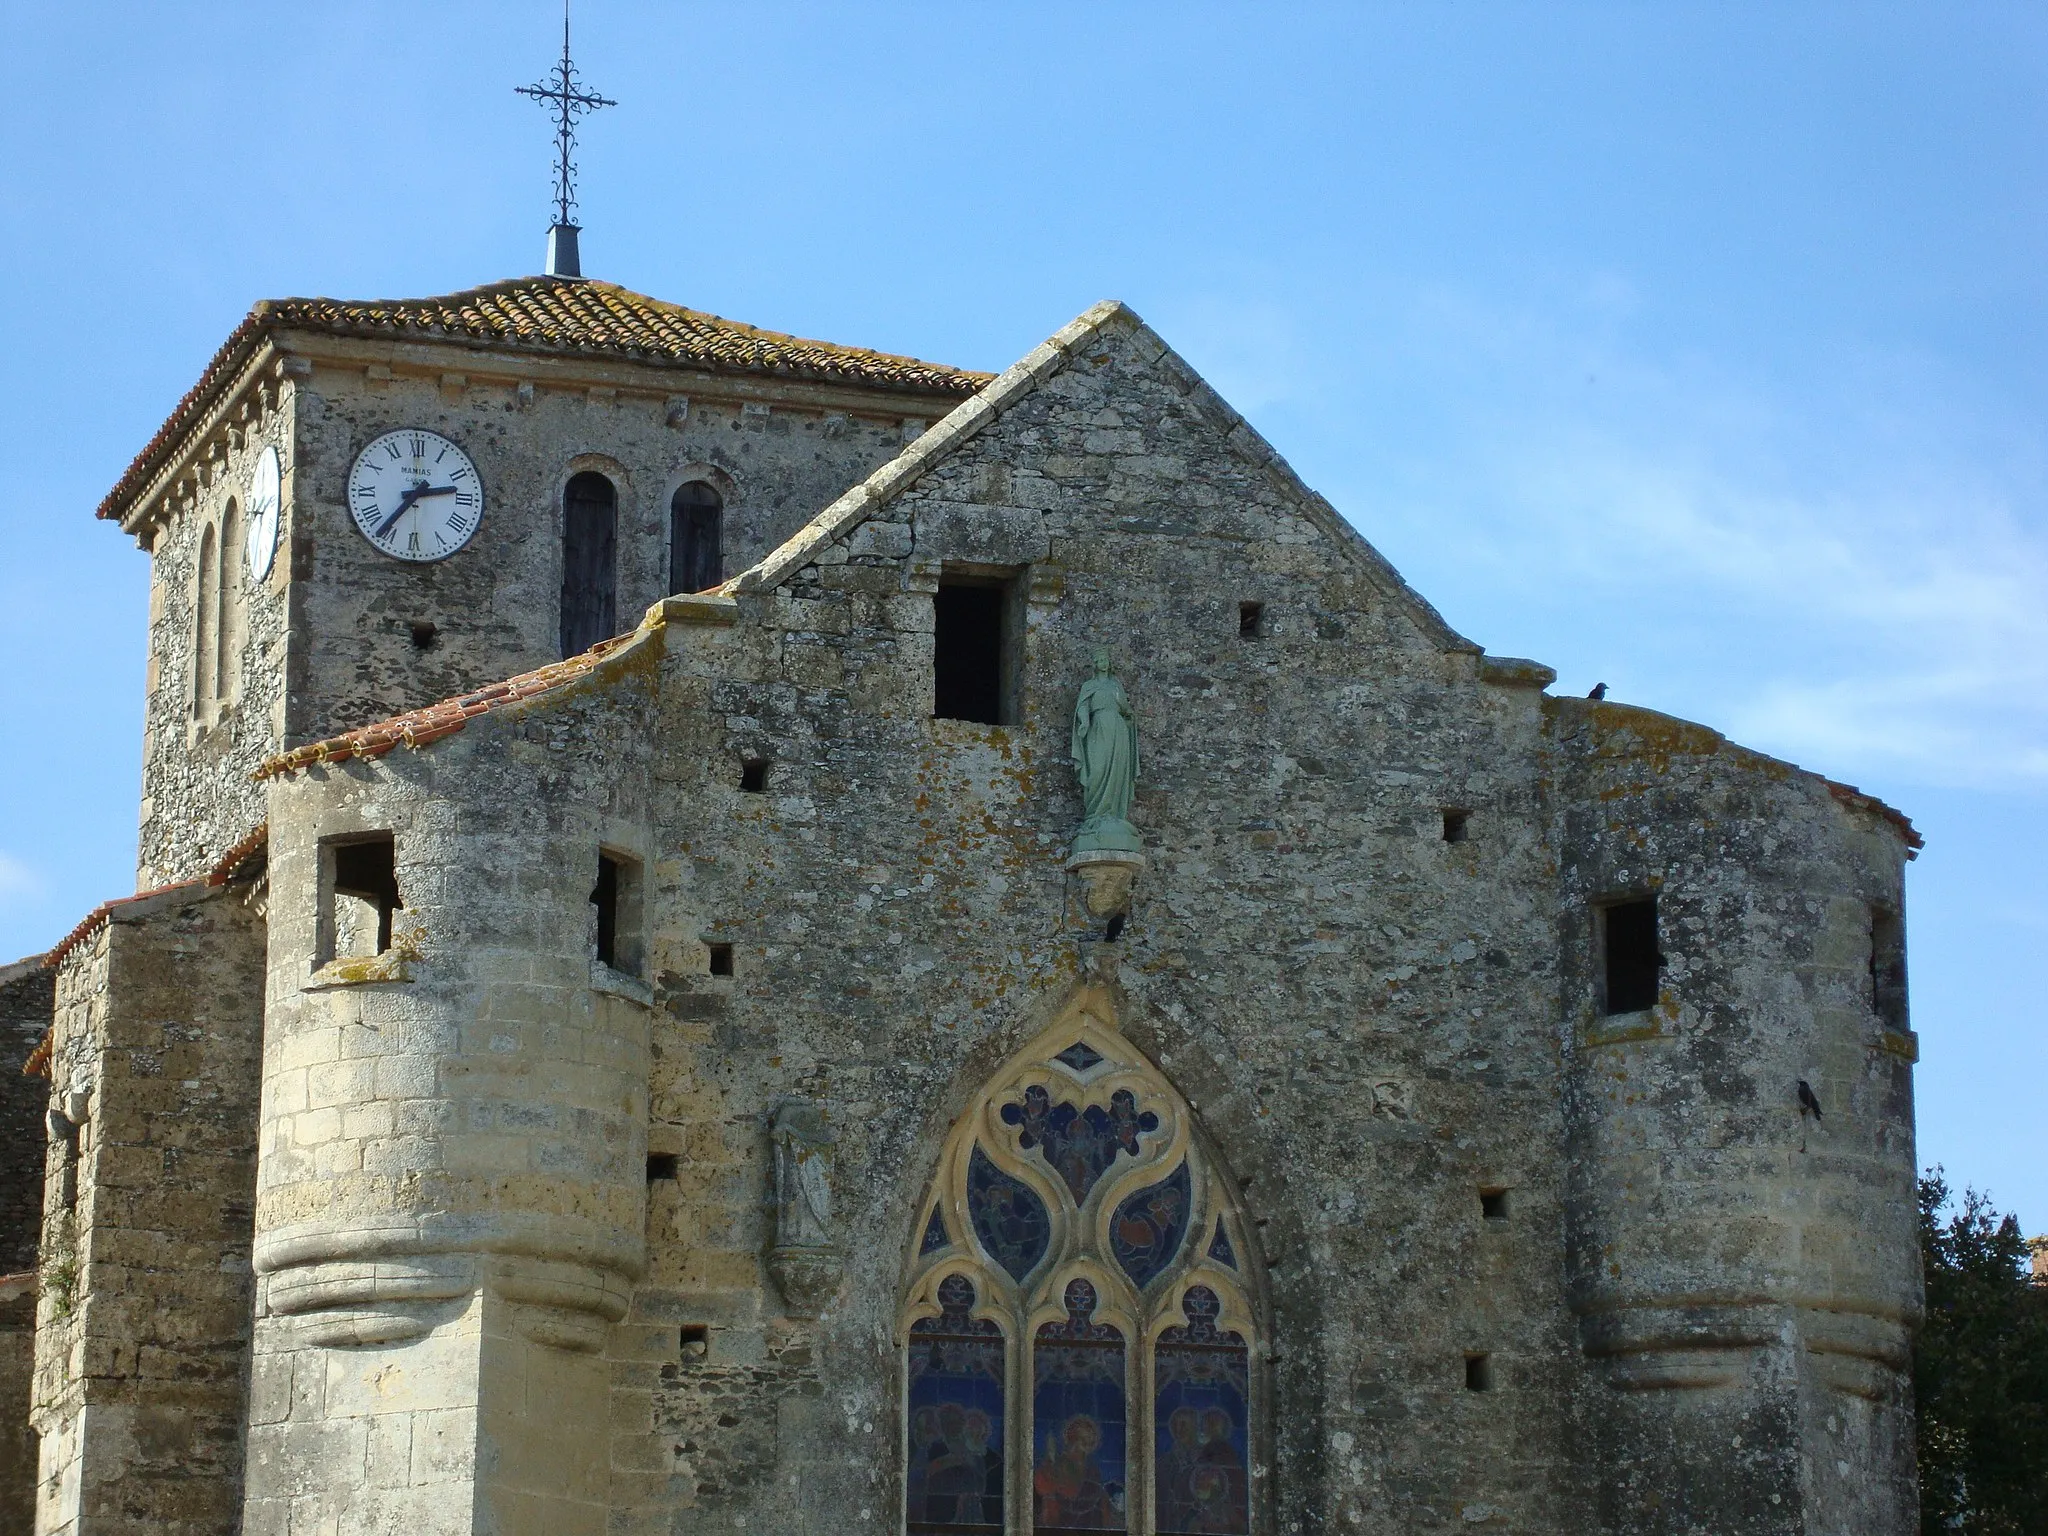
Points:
(1597, 691)
(1808, 1104)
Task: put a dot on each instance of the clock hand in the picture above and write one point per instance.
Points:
(404, 506)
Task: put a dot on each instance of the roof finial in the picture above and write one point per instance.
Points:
(568, 98)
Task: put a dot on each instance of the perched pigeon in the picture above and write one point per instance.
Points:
(1597, 691)
(1808, 1104)
(1116, 926)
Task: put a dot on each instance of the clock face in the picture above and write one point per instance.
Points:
(264, 489)
(415, 495)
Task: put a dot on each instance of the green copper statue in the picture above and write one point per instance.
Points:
(1106, 762)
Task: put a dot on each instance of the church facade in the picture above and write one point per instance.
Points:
(741, 934)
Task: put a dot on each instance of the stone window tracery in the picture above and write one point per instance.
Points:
(1078, 1329)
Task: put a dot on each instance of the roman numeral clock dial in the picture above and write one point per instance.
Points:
(415, 495)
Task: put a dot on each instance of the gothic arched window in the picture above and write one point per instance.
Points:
(206, 626)
(1080, 1324)
(696, 537)
(590, 536)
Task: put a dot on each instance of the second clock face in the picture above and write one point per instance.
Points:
(415, 495)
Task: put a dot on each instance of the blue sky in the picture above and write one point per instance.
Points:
(1695, 349)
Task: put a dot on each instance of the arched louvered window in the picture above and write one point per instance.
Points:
(1081, 1323)
(231, 617)
(206, 625)
(590, 540)
(696, 537)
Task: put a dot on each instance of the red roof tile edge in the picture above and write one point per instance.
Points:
(222, 873)
(226, 866)
(269, 314)
(102, 913)
(1850, 795)
(418, 727)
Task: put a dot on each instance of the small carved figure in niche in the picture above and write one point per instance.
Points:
(805, 1261)
(1105, 754)
(803, 1190)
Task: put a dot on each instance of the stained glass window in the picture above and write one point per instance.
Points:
(954, 1480)
(1009, 1218)
(1200, 1425)
(1219, 1246)
(1077, 1203)
(1079, 1480)
(1080, 1141)
(1148, 1227)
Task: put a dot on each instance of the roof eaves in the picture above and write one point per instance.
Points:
(120, 906)
(422, 727)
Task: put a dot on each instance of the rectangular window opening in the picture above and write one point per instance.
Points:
(359, 890)
(615, 903)
(696, 1340)
(662, 1165)
(1629, 939)
(1478, 1373)
(1493, 1204)
(1251, 620)
(976, 624)
(721, 959)
(754, 776)
(1888, 967)
(1457, 825)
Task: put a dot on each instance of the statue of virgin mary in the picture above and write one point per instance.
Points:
(1105, 753)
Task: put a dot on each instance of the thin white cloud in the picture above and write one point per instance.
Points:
(18, 881)
(1850, 571)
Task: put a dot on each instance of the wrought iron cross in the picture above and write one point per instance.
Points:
(568, 98)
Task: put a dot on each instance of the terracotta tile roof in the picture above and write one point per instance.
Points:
(1850, 795)
(241, 859)
(550, 315)
(223, 872)
(98, 917)
(418, 727)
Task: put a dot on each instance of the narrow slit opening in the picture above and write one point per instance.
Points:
(1251, 620)
(721, 959)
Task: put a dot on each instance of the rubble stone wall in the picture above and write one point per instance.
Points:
(198, 800)
(143, 1319)
(27, 998)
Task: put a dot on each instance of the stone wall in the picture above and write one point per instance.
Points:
(1466, 1195)
(1747, 1273)
(26, 1000)
(451, 1203)
(143, 1320)
(778, 450)
(197, 798)
(778, 454)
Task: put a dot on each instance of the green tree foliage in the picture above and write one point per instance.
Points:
(1980, 1372)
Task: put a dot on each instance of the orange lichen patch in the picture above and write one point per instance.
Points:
(418, 727)
(1855, 799)
(38, 1063)
(98, 917)
(546, 314)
